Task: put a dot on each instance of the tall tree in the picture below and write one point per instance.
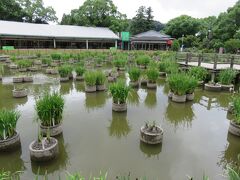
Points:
(143, 21)
(37, 12)
(11, 11)
(182, 25)
(100, 13)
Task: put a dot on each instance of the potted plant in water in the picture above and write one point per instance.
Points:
(151, 133)
(100, 81)
(19, 92)
(134, 75)
(80, 71)
(119, 92)
(44, 148)
(198, 73)
(90, 81)
(152, 76)
(9, 138)
(64, 72)
(49, 110)
(192, 84)
(226, 78)
(234, 127)
(178, 87)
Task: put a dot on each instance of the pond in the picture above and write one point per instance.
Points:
(195, 142)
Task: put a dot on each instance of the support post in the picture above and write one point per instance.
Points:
(86, 44)
(116, 44)
(214, 68)
(232, 62)
(200, 57)
(54, 43)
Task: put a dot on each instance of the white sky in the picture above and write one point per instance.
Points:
(164, 10)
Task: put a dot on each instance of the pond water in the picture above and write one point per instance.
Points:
(196, 139)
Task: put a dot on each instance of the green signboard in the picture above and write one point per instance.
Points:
(8, 47)
(125, 36)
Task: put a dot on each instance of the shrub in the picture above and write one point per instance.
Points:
(119, 63)
(171, 68)
(56, 56)
(236, 109)
(198, 73)
(175, 45)
(134, 74)
(49, 109)
(47, 61)
(65, 57)
(24, 63)
(64, 71)
(8, 122)
(101, 78)
(80, 70)
(232, 45)
(143, 60)
(178, 83)
(227, 76)
(119, 91)
(90, 78)
(152, 75)
(192, 84)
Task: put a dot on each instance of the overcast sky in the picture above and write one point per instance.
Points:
(164, 10)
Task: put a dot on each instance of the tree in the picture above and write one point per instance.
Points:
(36, 12)
(100, 13)
(11, 11)
(232, 45)
(143, 21)
(182, 25)
(190, 41)
(158, 26)
(175, 45)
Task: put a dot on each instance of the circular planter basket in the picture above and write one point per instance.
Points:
(44, 154)
(151, 85)
(54, 71)
(53, 130)
(121, 68)
(111, 79)
(10, 143)
(28, 79)
(101, 87)
(200, 83)
(64, 79)
(212, 87)
(134, 84)
(234, 128)
(190, 97)
(38, 62)
(19, 93)
(13, 66)
(90, 89)
(170, 94)
(33, 69)
(230, 108)
(154, 136)
(17, 79)
(79, 78)
(49, 71)
(44, 65)
(119, 107)
(144, 82)
(99, 65)
(22, 70)
(179, 99)
(227, 87)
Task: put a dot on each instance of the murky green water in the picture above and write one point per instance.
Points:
(196, 139)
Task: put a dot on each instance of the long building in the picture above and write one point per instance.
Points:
(27, 35)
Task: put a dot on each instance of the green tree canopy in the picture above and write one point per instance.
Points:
(232, 45)
(100, 13)
(182, 25)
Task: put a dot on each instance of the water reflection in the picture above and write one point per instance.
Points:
(179, 113)
(66, 87)
(150, 150)
(95, 100)
(133, 98)
(11, 161)
(80, 86)
(57, 164)
(151, 99)
(119, 126)
(231, 152)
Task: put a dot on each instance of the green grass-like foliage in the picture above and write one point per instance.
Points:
(50, 108)
(119, 91)
(101, 78)
(80, 70)
(134, 74)
(181, 84)
(90, 78)
(56, 56)
(152, 74)
(64, 70)
(227, 76)
(199, 73)
(24, 63)
(236, 109)
(8, 122)
(120, 62)
(47, 61)
(143, 60)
